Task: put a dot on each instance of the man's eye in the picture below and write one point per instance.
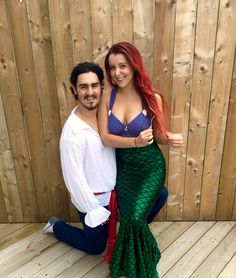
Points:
(95, 85)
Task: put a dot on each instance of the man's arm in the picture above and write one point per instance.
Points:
(72, 157)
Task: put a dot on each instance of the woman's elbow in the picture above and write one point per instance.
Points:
(105, 140)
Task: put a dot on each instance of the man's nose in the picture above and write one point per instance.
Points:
(90, 90)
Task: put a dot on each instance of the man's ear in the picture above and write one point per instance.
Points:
(73, 89)
(102, 85)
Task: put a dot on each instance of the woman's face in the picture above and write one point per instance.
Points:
(121, 71)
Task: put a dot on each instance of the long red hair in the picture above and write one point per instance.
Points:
(141, 80)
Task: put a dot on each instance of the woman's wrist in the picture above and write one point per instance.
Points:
(135, 142)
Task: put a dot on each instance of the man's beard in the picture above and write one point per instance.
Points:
(89, 106)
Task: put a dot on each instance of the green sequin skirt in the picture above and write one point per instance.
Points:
(140, 179)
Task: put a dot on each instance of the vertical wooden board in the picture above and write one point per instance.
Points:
(227, 186)
(60, 23)
(10, 206)
(101, 29)
(46, 83)
(163, 59)
(62, 54)
(122, 21)
(181, 91)
(143, 31)
(81, 30)
(3, 211)
(30, 104)
(201, 89)
(225, 47)
(15, 122)
(81, 33)
(164, 24)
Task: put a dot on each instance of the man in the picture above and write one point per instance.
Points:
(89, 168)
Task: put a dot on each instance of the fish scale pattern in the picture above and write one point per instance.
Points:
(140, 178)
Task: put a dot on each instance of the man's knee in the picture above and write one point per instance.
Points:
(97, 248)
(163, 195)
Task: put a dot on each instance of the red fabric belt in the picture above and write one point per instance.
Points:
(113, 206)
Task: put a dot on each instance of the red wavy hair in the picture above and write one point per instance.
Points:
(141, 80)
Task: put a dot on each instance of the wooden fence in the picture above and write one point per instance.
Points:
(188, 48)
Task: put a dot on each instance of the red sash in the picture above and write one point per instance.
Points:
(113, 206)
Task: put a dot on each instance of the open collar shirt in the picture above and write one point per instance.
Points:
(88, 167)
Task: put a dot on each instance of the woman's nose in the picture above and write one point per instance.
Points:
(117, 71)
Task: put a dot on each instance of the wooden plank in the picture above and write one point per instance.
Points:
(219, 257)
(62, 51)
(226, 202)
(122, 21)
(199, 252)
(3, 211)
(60, 264)
(101, 270)
(181, 91)
(81, 38)
(177, 249)
(12, 103)
(9, 252)
(81, 267)
(40, 262)
(53, 193)
(19, 234)
(163, 61)
(81, 30)
(10, 228)
(9, 193)
(101, 29)
(163, 46)
(57, 257)
(230, 269)
(3, 226)
(143, 32)
(30, 104)
(174, 231)
(60, 25)
(223, 65)
(201, 90)
(32, 250)
(158, 227)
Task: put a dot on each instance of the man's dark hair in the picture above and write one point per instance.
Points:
(85, 67)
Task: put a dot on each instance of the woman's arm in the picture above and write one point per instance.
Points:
(145, 137)
(172, 139)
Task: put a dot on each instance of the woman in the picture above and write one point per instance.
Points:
(131, 119)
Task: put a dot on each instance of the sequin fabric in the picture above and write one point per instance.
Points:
(140, 178)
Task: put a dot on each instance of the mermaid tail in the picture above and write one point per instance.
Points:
(140, 178)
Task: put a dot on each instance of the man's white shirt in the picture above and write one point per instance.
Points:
(88, 167)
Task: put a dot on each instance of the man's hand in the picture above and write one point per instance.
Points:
(105, 222)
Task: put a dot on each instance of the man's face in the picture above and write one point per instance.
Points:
(88, 89)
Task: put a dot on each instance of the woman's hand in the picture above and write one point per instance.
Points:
(145, 138)
(175, 139)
